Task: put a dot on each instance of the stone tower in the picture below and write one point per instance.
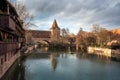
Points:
(55, 32)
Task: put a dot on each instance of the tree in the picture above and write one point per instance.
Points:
(90, 39)
(29, 39)
(23, 13)
(65, 35)
(103, 36)
(80, 38)
(84, 39)
(63, 32)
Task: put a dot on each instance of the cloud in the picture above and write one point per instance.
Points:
(76, 13)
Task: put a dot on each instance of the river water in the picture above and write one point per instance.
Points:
(63, 65)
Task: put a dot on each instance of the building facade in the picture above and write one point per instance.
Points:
(11, 35)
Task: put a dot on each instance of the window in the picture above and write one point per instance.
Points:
(1, 36)
(1, 61)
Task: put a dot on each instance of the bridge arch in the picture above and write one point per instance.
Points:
(47, 41)
(43, 43)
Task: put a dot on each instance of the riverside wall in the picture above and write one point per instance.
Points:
(100, 51)
(8, 63)
(105, 52)
(10, 59)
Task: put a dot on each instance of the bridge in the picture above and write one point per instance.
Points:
(47, 37)
(38, 36)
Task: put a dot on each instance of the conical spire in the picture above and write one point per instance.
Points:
(54, 25)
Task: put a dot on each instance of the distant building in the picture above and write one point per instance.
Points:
(35, 36)
(48, 36)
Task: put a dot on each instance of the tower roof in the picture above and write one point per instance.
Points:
(54, 25)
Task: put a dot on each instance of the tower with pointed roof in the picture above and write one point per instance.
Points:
(55, 32)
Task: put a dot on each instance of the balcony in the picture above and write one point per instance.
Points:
(7, 22)
(7, 47)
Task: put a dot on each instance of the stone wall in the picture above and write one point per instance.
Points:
(100, 51)
(116, 54)
(105, 52)
(10, 59)
(35, 40)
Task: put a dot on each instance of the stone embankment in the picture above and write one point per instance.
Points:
(115, 54)
(27, 49)
(4, 68)
(105, 52)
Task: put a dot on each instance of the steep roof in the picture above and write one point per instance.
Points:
(54, 25)
(39, 34)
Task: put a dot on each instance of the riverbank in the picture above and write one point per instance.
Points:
(29, 48)
(9, 61)
(105, 52)
(65, 66)
(6, 65)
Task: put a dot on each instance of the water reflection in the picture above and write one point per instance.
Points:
(54, 57)
(61, 65)
(93, 57)
(40, 50)
(21, 70)
(53, 60)
(17, 71)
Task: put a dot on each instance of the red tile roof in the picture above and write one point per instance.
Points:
(40, 34)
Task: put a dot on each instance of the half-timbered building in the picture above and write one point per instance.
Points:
(11, 35)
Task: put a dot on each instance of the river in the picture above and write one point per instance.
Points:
(63, 65)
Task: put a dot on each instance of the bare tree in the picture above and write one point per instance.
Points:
(103, 36)
(65, 35)
(23, 13)
(84, 39)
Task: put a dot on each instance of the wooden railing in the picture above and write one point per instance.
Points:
(7, 47)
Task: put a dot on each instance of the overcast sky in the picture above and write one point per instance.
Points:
(74, 14)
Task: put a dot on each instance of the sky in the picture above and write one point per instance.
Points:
(74, 14)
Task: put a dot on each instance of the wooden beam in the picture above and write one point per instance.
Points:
(8, 9)
(1, 33)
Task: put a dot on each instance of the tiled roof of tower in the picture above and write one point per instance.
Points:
(54, 25)
(39, 34)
